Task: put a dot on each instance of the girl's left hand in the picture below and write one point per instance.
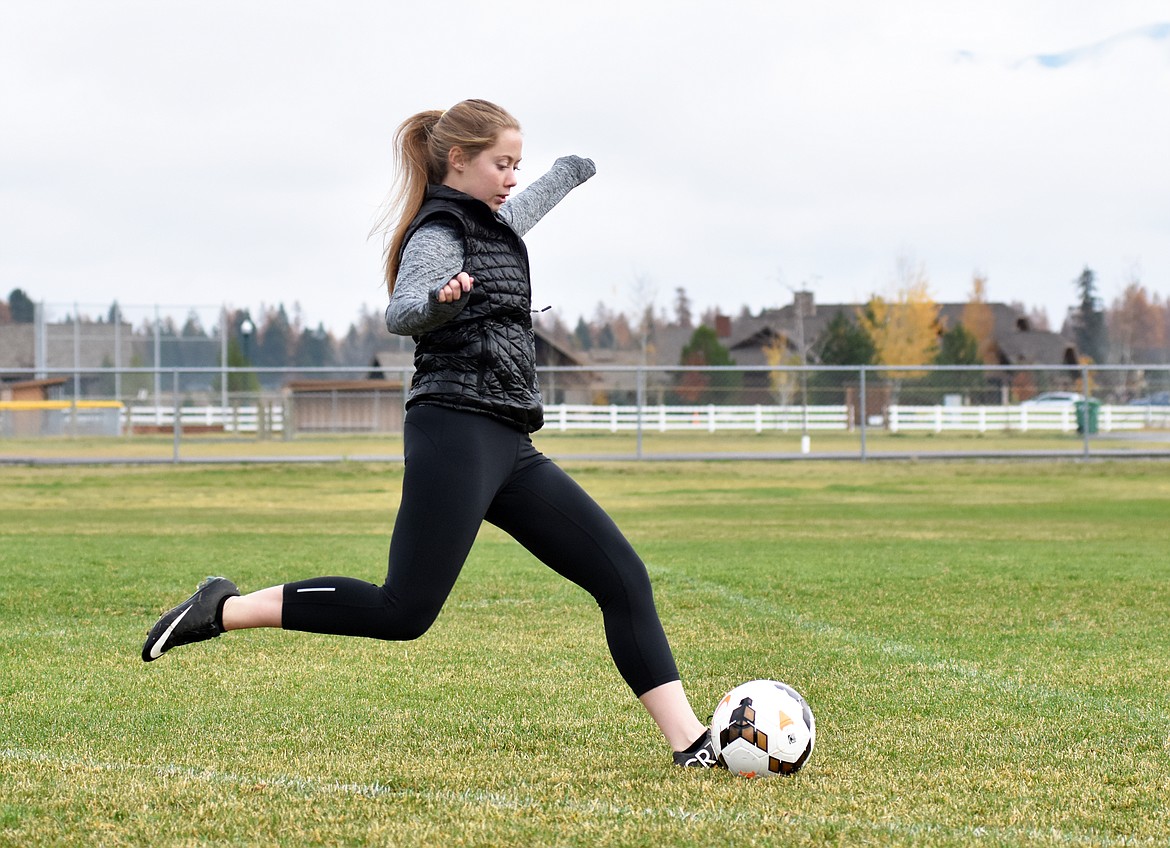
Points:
(455, 288)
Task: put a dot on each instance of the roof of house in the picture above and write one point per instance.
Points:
(1035, 347)
(314, 386)
(1015, 340)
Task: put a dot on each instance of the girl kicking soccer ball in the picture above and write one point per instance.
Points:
(458, 276)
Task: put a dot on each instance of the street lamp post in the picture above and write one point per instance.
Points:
(247, 328)
(800, 300)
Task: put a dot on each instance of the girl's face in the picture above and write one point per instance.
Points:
(489, 176)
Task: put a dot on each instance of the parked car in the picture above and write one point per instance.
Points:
(1156, 399)
(1053, 398)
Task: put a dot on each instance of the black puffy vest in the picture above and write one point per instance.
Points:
(484, 359)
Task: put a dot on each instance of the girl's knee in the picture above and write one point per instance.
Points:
(406, 626)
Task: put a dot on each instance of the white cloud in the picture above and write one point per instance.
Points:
(193, 152)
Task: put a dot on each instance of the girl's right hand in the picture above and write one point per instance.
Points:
(455, 288)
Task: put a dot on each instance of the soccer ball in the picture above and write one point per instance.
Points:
(763, 728)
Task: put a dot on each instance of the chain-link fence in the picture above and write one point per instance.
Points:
(225, 413)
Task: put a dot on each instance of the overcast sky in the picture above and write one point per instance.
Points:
(238, 152)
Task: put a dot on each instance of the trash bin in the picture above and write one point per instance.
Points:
(1087, 414)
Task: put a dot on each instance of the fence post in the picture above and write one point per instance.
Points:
(864, 412)
(41, 352)
(1085, 428)
(641, 403)
(157, 360)
(177, 426)
(76, 363)
(223, 359)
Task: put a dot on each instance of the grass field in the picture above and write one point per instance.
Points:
(985, 646)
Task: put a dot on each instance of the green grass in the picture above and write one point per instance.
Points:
(984, 645)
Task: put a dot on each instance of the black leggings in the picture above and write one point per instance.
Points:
(463, 468)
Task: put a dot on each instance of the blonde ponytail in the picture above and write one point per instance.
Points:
(422, 144)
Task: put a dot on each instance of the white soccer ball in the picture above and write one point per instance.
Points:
(763, 728)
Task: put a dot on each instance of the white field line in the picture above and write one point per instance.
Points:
(596, 809)
(958, 669)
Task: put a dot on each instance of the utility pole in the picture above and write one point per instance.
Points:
(801, 301)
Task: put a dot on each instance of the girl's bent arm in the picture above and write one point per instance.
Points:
(432, 257)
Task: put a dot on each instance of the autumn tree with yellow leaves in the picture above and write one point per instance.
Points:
(783, 383)
(904, 330)
(1136, 323)
(978, 319)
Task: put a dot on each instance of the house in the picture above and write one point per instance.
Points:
(1014, 342)
(373, 404)
(33, 390)
(561, 386)
(338, 406)
(18, 413)
(616, 378)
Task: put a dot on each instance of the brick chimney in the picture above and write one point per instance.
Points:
(805, 303)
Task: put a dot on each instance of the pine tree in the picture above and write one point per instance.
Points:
(704, 386)
(1090, 334)
(21, 307)
(845, 343)
(958, 347)
(583, 335)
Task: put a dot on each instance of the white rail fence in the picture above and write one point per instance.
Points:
(252, 419)
(613, 418)
(713, 418)
(53, 418)
(1022, 419)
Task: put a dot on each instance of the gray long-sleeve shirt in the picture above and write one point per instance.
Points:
(434, 253)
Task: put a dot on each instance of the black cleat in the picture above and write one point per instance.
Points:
(700, 755)
(194, 620)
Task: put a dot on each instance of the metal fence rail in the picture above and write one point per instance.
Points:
(674, 407)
